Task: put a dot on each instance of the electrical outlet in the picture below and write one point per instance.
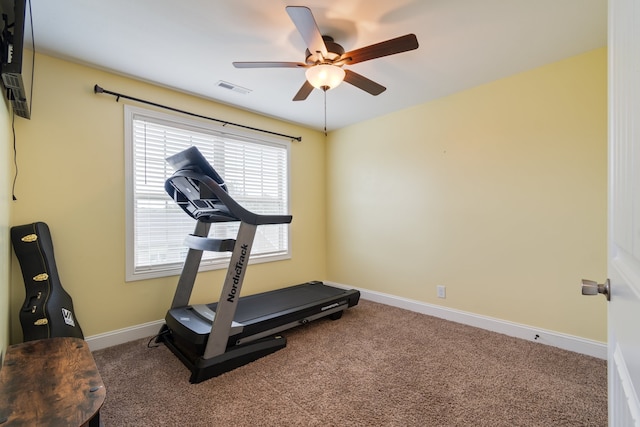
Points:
(442, 292)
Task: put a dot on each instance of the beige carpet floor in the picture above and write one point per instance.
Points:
(376, 366)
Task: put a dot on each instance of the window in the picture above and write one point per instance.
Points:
(254, 169)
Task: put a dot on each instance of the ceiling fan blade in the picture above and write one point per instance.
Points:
(306, 24)
(378, 50)
(363, 83)
(258, 64)
(304, 91)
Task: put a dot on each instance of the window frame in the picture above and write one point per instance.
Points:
(133, 273)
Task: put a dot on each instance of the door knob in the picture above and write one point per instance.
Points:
(591, 287)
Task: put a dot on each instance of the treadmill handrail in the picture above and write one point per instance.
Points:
(235, 209)
(209, 244)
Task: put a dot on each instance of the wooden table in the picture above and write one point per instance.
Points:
(50, 382)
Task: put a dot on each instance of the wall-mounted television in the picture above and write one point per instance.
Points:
(16, 68)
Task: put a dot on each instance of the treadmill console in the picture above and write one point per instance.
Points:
(192, 159)
(197, 188)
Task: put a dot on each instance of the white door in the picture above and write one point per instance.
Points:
(624, 213)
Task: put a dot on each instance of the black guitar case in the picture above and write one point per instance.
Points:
(48, 309)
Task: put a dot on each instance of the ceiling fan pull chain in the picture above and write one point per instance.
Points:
(325, 112)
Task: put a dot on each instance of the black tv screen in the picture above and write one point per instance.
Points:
(17, 68)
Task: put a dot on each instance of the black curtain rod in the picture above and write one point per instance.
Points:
(98, 89)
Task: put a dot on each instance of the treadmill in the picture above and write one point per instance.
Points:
(211, 339)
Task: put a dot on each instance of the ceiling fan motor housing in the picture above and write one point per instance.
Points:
(334, 52)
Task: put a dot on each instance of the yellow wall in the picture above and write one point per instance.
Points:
(71, 160)
(6, 178)
(498, 193)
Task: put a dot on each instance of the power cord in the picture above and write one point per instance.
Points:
(15, 157)
(156, 337)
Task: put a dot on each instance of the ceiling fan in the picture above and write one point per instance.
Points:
(325, 58)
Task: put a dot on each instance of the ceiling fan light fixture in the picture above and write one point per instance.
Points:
(325, 76)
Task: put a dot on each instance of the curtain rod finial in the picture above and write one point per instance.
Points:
(97, 89)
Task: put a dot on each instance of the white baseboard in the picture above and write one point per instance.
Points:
(121, 336)
(543, 336)
(567, 342)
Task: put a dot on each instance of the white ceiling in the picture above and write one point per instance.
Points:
(189, 45)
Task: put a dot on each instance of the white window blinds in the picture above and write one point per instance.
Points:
(255, 171)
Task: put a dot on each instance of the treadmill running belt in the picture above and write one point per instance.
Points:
(254, 308)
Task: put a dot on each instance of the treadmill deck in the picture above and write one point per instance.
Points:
(259, 312)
